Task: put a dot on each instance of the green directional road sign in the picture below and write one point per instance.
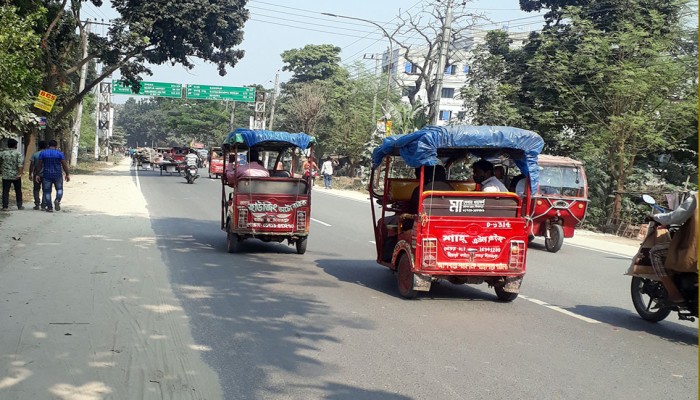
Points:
(207, 92)
(156, 89)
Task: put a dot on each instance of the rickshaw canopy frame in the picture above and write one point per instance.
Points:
(421, 147)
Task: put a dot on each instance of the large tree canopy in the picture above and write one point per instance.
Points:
(147, 31)
(19, 52)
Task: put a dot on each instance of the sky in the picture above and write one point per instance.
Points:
(278, 25)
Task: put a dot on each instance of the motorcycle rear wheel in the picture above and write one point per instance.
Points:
(642, 305)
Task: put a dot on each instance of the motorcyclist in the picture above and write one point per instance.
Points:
(191, 160)
(681, 252)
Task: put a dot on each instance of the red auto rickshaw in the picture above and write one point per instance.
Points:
(455, 232)
(216, 162)
(560, 202)
(270, 208)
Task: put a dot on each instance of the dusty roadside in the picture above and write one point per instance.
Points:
(86, 307)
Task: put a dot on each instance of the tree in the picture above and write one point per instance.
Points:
(617, 82)
(19, 53)
(312, 63)
(426, 27)
(493, 85)
(147, 31)
(306, 106)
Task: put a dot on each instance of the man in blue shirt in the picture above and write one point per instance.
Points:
(48, 171)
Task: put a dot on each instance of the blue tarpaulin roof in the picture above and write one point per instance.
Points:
(420, 147)
(252, 137)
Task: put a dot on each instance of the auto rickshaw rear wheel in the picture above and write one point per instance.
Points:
(232, 242)
(555, 238)
(404, 277)
(301, 245)
(504, 296)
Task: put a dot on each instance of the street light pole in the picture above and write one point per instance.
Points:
(391, 54)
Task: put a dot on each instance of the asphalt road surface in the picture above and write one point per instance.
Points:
(128, 293)
(330, 324)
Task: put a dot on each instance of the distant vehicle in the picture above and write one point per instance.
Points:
(216, 162)
(561, 200)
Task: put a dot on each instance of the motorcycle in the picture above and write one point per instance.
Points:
(649, 295)
(191, 173)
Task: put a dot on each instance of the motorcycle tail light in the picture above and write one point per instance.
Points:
(517, 254)
(242, 218)
(430, 252)
(301, 220)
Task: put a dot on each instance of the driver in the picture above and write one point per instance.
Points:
(681, 253)
(192, 160)
(254, 166)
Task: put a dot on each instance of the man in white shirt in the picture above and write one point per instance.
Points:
(327, 172)
(483, 175)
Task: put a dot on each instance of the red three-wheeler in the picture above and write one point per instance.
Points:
(436, 225)
(272, 201)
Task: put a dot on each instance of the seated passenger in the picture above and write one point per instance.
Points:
(483, 174)
(517, 184)
(253, 168)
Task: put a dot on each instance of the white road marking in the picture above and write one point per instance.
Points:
(600, 251)
(559, 309)
(320, 222)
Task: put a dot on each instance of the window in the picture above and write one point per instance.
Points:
(448, 93)
(445, 115)
(466, 69)
(410, 68)
(450, 70)
(406, 90)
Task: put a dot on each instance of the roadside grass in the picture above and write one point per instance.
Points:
(345, 183)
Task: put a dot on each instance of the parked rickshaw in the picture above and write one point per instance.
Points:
(560, 202)
(216, 162)
(454, 232)
(271, 208)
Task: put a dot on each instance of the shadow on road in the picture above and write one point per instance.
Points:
(620, 317)
(369, 274)
(253, 310)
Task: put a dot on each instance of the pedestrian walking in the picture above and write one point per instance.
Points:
(12, 165)
(48, 171)
(327, 172)
(38, 198)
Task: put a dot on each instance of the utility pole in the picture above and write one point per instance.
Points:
(104, 115)
(79, 111)
(376, 58)
(231, 118)
(274, 99)
(442, 56)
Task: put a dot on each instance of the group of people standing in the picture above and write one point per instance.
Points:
(46, 169)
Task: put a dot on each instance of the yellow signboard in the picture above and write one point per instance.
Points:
(45, 101)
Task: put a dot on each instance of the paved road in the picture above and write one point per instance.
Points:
(330, 324)
(127, 293)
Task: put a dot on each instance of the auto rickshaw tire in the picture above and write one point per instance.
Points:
(504, 296)
(404, 278)
(556, 238)
(301, 245)
(233, 242)
(644, 311)
(210, 175)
